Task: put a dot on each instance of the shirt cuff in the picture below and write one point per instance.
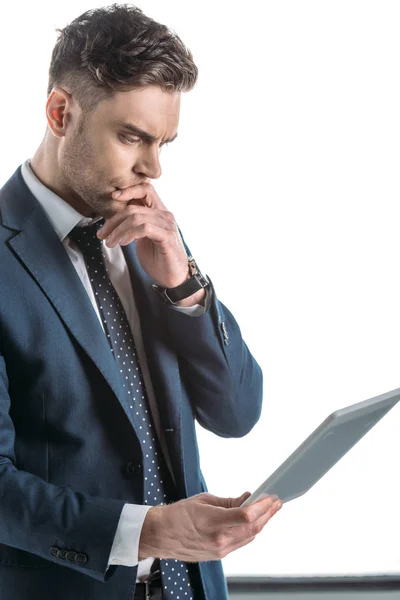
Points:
(125, 548)
(197, 309)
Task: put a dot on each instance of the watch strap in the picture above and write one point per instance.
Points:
(185, 289)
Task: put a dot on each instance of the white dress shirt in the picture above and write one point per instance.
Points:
(64, 218)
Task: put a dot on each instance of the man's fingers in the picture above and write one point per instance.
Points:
(134, 216)
(231, 517)
(242, 498)
(240, 536)
(144, 192)
(224, 502)
(141, 226)
(253, 513)
(134, 191)
(255, 527)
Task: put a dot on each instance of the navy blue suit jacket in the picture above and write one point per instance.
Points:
(66, 432)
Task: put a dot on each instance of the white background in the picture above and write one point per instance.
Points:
(284, 180)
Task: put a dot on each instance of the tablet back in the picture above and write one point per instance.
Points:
(340, 431)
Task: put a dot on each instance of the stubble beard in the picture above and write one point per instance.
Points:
(81, 186)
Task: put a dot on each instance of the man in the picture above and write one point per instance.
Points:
(113, 342)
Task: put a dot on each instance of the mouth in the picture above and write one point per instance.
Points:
(127, 186)
(130, 185)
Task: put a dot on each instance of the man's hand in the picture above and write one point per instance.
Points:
(203, 527)
(159, 246)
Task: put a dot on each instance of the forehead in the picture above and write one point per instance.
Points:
(149, 107)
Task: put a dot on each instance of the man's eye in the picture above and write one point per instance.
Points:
(134, 141)
(130, 140)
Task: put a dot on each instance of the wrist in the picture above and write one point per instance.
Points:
(149, 534)
(196, 298)
(176, 281)
(189, 292)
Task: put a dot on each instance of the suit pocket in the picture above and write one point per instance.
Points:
(13, 557)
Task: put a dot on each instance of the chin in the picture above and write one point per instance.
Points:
(112, 208)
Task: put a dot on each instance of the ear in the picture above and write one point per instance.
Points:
(58, 110)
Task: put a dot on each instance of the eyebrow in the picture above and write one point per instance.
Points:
(145, 135)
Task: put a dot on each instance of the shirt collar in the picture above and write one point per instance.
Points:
(62, 215)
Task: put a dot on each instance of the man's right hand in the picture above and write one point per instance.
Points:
(203, 527)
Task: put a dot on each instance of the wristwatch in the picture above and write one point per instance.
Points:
(196, 282)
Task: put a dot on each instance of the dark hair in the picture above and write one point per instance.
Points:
(118, 48)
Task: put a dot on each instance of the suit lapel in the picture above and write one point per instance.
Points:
(38, 247)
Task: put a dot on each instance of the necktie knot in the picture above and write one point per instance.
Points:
(86, 237)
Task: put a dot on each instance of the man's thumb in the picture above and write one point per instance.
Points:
(242, 498)
(235, 502)
(225, 502)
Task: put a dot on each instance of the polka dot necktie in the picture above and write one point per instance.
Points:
(158, 485)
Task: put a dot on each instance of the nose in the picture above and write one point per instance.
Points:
(148, 163)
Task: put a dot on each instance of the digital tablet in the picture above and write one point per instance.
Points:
(324, 447)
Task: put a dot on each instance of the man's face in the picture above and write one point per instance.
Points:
(99, 154)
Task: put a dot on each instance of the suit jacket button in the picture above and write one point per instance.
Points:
(133, 468)
(71, 555)
(62, 554)
(54, 551)
(81, 558)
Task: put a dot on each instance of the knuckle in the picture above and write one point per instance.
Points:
(255, 528)
(169, 216)
(220, 542)
(137, 219)
(247, 516)
(146, 227)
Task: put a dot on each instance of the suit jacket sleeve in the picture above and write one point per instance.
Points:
(223, 379)
(36, 516)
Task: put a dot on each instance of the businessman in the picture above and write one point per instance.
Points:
(112, 342)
